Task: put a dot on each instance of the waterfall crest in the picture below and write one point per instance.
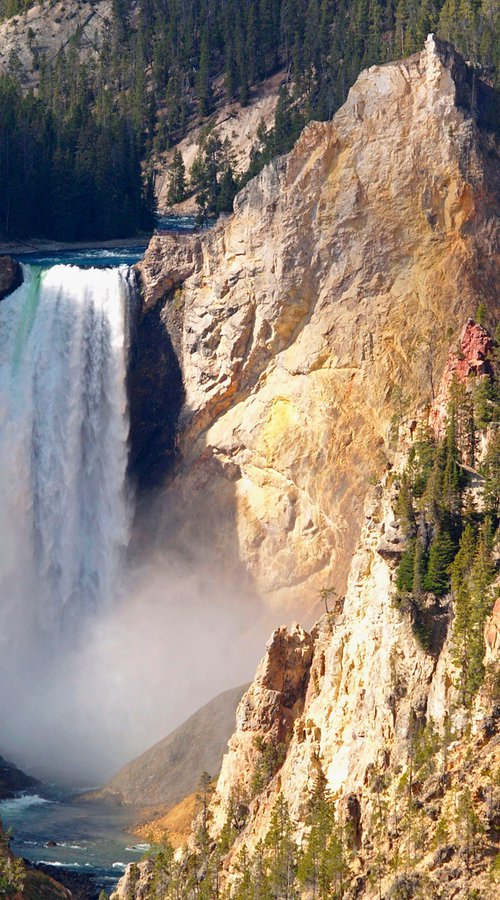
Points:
(64, 510)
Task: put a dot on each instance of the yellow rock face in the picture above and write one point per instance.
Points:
(310, 315)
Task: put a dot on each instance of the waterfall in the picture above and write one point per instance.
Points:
(64, 510)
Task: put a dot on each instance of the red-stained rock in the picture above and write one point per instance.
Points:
(469, 358)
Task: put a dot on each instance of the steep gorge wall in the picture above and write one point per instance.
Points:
(301, 318)
(367, 686)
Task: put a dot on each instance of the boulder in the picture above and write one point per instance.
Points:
(11, 276)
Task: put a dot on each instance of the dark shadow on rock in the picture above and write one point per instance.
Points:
(11, 276)
(156, 395)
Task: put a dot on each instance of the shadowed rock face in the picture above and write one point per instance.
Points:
(13, 781)
(332, 289)
(11, 276)
(156, 395)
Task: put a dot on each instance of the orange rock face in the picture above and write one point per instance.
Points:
(299, 319)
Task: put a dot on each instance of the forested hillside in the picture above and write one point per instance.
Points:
(162, 65)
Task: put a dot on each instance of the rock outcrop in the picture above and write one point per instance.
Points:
(470, 357)
(48, 26)
(11, 276)
(303, 317)
(364, 657)
(370, 686)
(13, 781)
(268, 711)
(370, 693)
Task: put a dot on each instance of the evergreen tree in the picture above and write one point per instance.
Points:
(421, 460)
(203, 796)
(282, 853)
(203, 82)
(177, 180)
(491, 470)
(420, 562)
(484, 401)
(323, 866)
(441, 554)
(472, 575)
(432, 498)
(406, 570)
(452, 479)
(467, 824)
(378, 825)
(163, 871)
(403, 509)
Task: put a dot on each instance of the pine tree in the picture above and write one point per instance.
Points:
(491, 470)
(177, 180)
(421, 460)
(282, 852)
(403, 509)
(379, 830)
(419, 568)
(472, 577)
(432, 498)
(323, 866)
(441, 554)
(452, 478)
(468, 825)
(203, 796)
(406, 570)
(203, 82)
(484, 401)
(163, 873)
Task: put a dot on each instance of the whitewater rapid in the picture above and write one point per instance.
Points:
(64, 507)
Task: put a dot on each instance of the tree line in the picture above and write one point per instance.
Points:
(160, 65)
(70, 177)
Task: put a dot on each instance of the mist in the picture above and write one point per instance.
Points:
(115, 625)
(103, 651)
(171, 642)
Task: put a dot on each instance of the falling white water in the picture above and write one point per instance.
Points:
(64, 515)
(98, 659)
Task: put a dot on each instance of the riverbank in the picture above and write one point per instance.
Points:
(84, 846)
(17, 248)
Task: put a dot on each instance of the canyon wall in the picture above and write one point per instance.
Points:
(306, 319)
(312, 329)
(368, 687)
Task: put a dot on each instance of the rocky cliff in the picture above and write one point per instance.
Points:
(323, 304)
(372, 708)
(368, 689)
(312, 328)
